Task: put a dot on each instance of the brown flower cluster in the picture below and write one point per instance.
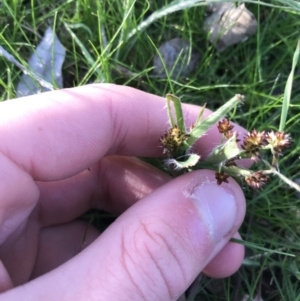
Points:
(257, 179)
(252, 144)
(254, 141)
(278, 140)
(225, 128)
(172, 140)
(221, 177)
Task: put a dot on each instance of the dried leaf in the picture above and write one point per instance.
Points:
(46, 62)
(13, 60)
(175, 58)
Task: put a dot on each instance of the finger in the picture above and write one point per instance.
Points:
(221, 266)
(19, 195)
(60, 243)
(17, 204)
(65, 200)
(113, 185)
(59, 134)
(154, 250)
(5, 280)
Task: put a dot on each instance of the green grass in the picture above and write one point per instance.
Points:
(258, 69)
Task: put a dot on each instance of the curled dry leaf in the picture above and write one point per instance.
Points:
(229, 25)
(46, 62)
(178, 57)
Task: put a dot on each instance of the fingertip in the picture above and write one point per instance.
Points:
(227, 261)
(5, 280)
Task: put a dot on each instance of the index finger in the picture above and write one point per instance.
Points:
(57, 134)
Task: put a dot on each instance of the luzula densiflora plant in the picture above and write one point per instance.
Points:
(178, 143)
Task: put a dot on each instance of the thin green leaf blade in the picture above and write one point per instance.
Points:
(199, 130)
(85, 52)
(288, 89)
(178, 111)
(169, 107)
(254, 246)
(198, 122)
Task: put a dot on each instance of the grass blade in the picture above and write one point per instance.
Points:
(288, 89)
(86, 53)
(198, 122)
(199, 130)
(178, 112)
(254, 246)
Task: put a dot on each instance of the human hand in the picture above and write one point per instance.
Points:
(65, 152)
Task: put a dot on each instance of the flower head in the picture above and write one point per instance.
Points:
(257, 179)
(173, 139)
(221, 177)
(253, 142)
(278, 140)
(225, 128)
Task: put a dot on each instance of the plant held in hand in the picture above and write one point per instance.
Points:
(178, 142)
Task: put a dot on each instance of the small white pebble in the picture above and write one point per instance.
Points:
(229, 25)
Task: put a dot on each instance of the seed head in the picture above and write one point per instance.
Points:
(253, 142)
(278, 140)
(225, 128)
(257, 179)
(221, 177)
(173, 139)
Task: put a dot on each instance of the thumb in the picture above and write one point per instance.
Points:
(154, 250)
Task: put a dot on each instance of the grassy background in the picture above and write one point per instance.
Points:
(95, 35)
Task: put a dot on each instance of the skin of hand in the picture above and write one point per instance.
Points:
(67, 151)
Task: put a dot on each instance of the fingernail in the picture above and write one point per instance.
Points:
(217, 207)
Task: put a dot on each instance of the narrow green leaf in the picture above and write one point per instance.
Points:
(288, 89)
(254, 246)
(85, 53)
(126, 23)
(199, 130)
(170, 8)
(178, 111)
(169, 107)
(200, 115)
